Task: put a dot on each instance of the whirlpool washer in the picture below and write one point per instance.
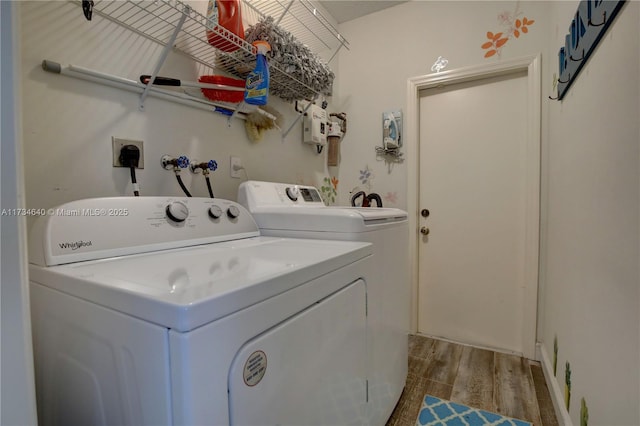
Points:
(297, 211)
(175, 311)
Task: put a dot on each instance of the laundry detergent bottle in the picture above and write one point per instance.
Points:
(257, 84)
(224, 24)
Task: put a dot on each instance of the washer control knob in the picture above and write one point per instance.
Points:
(293, 192)
(233, 212)
(215, 212)
(177, 211)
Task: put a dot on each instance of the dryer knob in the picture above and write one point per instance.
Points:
(215, 212)
(233, 212)
(293, 192)
(177, 211)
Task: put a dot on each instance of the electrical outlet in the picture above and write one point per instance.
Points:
(236, 167)
(118, 143)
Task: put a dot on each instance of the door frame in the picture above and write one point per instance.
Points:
(530, 64)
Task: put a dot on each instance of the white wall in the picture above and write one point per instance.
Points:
(590, 160)
(392, 45)
(17, 389)
(69, 123)
(591, 254)
(590, 172)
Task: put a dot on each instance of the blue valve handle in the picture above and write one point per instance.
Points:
(212, 165)
(182, 161)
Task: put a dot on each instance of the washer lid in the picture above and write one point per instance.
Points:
(186, 288)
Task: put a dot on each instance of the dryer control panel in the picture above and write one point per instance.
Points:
(105, 227)
(307, 194)
(270, 194)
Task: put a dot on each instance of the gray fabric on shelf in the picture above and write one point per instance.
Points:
(288, 55)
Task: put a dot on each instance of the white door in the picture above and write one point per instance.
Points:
(475, 183)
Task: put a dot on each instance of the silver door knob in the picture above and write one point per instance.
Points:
(424, 230)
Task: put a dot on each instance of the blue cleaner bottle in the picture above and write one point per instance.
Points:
(257, 84)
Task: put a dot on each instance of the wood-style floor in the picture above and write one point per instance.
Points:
(507, 384)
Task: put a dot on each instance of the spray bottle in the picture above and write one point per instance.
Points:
(257, 84)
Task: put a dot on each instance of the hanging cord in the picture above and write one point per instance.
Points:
(176, 164)
(134, 182)
(246, 173)
(211, 165)
(236, 168)
(130, 157)
(206, 176)
(176, 170)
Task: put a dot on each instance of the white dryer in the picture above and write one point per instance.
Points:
(173, 311)
(297, 211)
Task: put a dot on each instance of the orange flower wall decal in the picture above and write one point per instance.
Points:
(496, 41)
(514, 27)
(522, 26)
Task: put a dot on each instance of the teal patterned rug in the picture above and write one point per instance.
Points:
(440, 412)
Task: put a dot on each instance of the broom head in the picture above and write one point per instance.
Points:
(222, 95)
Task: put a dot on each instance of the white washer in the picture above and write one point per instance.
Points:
(167, 311)
(298, 211)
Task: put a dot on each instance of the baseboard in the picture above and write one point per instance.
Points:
(554, 389)
(457, 342)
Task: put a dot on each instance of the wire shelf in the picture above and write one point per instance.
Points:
(302, 19)
(158, 20)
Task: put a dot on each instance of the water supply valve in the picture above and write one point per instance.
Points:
(169, 162)
(211, 165)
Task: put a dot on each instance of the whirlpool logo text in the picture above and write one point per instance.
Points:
(75, 246)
